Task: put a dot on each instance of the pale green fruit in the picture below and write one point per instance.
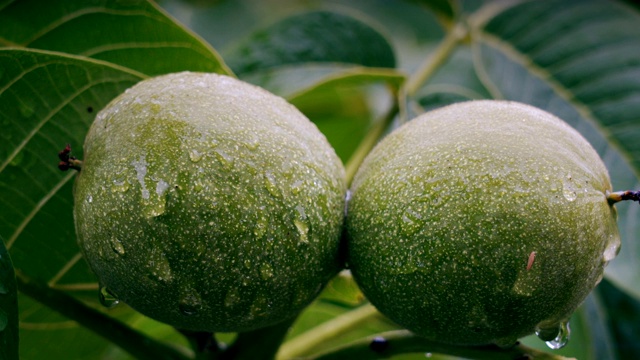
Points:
(480, 222)
(209, 204)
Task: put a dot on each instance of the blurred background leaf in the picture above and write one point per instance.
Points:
(579, 60)
(135, 33)
(319, 36)
(9, 338)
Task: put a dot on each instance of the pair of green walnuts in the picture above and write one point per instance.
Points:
(212, 205)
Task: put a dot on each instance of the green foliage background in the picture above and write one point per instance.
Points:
(352, 67)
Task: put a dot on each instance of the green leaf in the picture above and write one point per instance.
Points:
(320, 36)
(336, 97)
(135, 33)
(297, 81)
(446, 9)
(580, 61)
(623, 318)
(8, 307)
(46, 101)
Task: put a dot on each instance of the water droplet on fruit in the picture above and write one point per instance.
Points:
(303, 230)
(159, 266)
(411, 222)
(612, 248)
(190, 303)
(296, 187)
(568, 188)
(270, 184)
(224, 158)
(117, 246)
(89, 199)
(266, 271)
(107, 298)
(195, 155)
(119, 185)
(562, 331)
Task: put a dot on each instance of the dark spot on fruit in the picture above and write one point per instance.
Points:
(379, 344)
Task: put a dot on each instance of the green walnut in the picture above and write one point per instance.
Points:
(209, 204)
(481, 222)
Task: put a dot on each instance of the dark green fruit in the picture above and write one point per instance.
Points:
(209, 204)
(480, 223)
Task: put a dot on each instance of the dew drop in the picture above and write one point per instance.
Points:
(562, 331)
(612, 248)
(195, 155)
(117, 246)
(266, 271)
(89, 199)
(190, 303)
(3, 320)
(224, 158)
(270, 184)
(303, 230)
(568, 188)
(160, 268)
(119, 185)
(296, 187)
(411, 222)
(161, 187)
(107, 298)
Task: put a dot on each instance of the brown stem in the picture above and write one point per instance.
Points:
(617, 196)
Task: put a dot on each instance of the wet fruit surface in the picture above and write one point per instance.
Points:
(208, 203)
(481, 222)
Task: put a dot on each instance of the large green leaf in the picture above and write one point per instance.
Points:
(320, 36)
(581, 61)
(8, 307)
(46, 101)
(136, 34)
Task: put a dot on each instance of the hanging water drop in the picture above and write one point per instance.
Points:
(107, 298)
(117, 246)
(190, 304)
(562, 333)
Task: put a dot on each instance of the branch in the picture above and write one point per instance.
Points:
(403, 342)
(617, 196)
(130, 340)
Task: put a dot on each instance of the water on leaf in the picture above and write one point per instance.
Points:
(107, 298)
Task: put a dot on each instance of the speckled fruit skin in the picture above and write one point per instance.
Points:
(447, 210)
(209, 204)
